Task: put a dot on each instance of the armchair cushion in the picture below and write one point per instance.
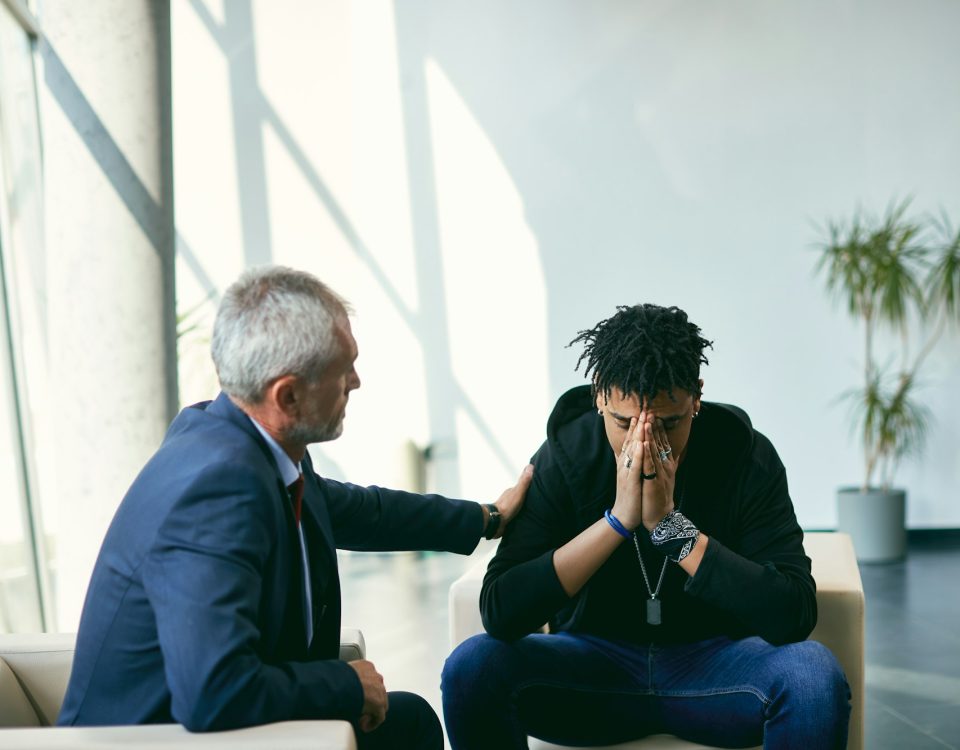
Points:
(15, 709)
(40, 663)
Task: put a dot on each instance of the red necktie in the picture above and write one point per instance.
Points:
(296, 497)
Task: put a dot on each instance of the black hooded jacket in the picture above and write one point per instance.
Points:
(754, 578)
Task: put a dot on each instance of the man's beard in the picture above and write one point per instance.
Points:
(305, 433)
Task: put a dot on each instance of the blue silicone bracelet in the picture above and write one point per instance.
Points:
(617, 526)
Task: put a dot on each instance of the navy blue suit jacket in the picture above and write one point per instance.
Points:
(194, 612)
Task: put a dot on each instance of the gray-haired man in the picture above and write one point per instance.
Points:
(215, 601)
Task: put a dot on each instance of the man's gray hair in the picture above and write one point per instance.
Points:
(274, 321)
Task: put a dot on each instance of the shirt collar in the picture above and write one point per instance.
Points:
(289, 471)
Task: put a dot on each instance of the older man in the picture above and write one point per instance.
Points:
(215, 601)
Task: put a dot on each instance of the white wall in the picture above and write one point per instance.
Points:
(482, 180)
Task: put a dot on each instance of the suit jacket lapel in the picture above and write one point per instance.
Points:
(323, 567)
(315, 506)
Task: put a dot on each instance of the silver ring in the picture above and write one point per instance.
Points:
(629, 462)
(665, 453)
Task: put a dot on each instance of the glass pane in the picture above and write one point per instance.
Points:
(23, 360)
(19, 602)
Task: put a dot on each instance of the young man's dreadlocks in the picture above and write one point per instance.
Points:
(643, 349)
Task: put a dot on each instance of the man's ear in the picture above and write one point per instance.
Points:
(601, 400)
(696, 400)
(283, 396)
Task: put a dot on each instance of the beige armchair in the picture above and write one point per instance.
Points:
(34, 670)
(840, 624)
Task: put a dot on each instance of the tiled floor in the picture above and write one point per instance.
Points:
(399, 601)
(913, 633)
(913, 646)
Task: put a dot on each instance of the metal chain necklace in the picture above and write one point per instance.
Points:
(652, 603)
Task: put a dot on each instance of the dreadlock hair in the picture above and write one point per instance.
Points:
(643, 349)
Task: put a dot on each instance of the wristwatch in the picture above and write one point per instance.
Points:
(493, 521)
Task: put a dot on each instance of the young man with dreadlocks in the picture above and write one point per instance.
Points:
(660, 544)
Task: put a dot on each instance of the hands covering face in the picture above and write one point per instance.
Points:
(646, 474)
(659, 471)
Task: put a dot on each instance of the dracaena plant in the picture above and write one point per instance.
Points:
(901, 274)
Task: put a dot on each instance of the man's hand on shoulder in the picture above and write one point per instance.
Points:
(374, 695)
(509, 503)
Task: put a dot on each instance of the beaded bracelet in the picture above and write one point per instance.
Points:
(617, 526)
(675, 535)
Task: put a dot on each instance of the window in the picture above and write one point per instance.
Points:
(23, 560)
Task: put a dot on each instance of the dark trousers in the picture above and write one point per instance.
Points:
(580, 690)
(411, 724)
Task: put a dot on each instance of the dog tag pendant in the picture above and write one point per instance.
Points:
(653, 611)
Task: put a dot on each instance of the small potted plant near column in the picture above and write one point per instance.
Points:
(898, 275)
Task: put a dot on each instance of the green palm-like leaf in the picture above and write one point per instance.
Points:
(896, 260)
(943, 279)
(843, 260)
(187, 320)
(891, 423)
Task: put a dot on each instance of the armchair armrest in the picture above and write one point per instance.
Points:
(840, 615)
(352, 645)
(463, 603)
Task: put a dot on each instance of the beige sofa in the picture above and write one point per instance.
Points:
(34, 670)
(839, 626)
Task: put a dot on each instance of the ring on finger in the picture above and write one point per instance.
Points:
(629, 462)
(664, 453)
(648, 476)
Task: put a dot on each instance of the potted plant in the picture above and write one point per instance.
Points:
(899, 275)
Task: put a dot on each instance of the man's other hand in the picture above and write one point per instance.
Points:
(374, 695)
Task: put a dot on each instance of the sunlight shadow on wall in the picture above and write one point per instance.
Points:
(495, 289)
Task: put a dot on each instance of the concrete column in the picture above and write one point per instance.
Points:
(104, 84)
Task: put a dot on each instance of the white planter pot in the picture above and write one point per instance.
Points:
(876, 521)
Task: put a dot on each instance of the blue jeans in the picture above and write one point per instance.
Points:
(580, 690)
